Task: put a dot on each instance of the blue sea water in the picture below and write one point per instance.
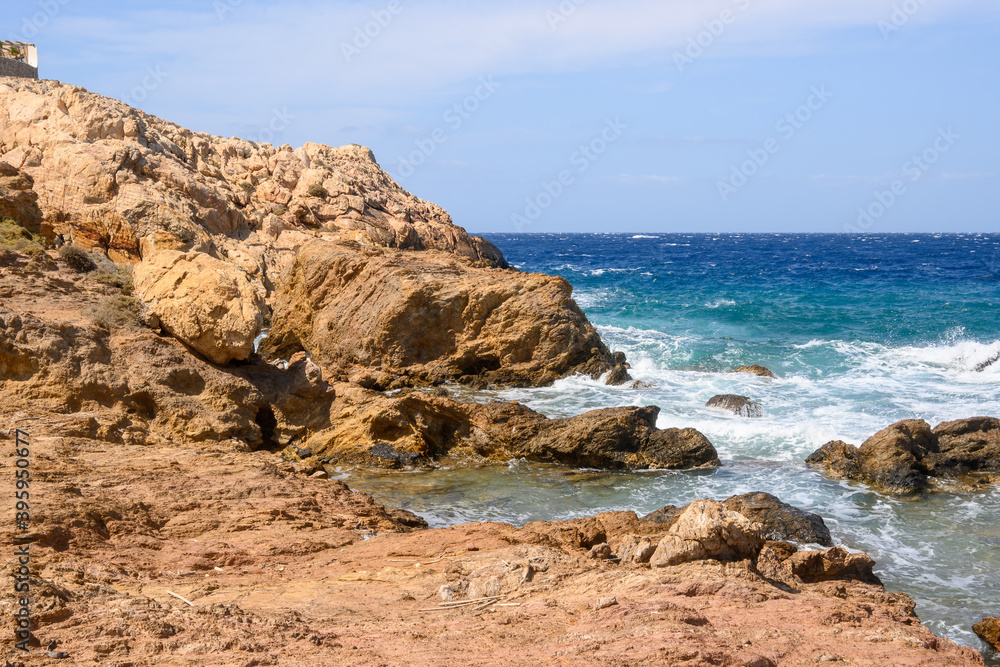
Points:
(862, 331)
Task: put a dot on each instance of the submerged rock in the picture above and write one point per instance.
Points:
(430, 317)
(755, 370)
(904, 458)
(738, 405)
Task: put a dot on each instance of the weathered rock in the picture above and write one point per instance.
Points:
(738, 405)
(117, 180)
(905, 457)
(833, 564)
(619, 376)
(375, 429)
(18, 200)
(781, 521)
(430, 317)
(755, 370)
(986, 364)
(989, 631)
(207, 304)
(706, 530)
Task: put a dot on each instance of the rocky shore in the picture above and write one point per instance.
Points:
(182, 511)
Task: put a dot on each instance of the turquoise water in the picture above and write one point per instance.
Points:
(861, 331)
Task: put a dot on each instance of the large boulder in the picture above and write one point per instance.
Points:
(707, 530)
(430, 317)
(907, 456)
(780, 520)
(374, 429)
(207, 304)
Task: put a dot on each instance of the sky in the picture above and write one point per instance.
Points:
(560, 116)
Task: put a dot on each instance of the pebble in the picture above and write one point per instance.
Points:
(604, 603)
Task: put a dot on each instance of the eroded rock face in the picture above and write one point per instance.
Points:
(707, 530)
(430, 317)
(738, 405)
(207, 304)
(116, 179)
(906, 457)
(18, 200)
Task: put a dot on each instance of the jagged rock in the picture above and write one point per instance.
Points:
(707, 530)
(782, 522)
(207, 304)
(18, 200)
(832, 564)
(904, 458)
(755, 370)
(779, 520)
(738, 405)
(375, 429)
(430, 317)
(989, 631)
(986, 364)
(115, 178)
(619, 376)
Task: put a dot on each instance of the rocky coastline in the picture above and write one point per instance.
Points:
(183, 510)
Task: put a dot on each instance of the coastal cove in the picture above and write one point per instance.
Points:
(861, 332)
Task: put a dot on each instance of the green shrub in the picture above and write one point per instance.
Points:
(279, 210)
(317, 190)
(116, 312)
(77, 259)
(247, 186)
(16, 238)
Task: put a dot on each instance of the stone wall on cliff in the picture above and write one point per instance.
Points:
(16, 68)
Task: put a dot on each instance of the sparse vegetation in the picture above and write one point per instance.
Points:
(16, 238)
(116, 312)
(317, 190)
(121, 278)
(246, 186)
(279, 210)
(77, 259)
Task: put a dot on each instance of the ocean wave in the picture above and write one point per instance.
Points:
(644, 236)
(720, 303)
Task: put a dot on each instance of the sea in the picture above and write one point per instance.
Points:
(861, 331)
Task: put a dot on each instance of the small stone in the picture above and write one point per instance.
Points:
(303, 453)
(604, 603)
(738, 405)
(600, 552)
(319, 474)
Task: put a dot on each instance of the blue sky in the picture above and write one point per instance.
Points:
(584, 115)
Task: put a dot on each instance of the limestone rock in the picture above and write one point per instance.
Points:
(755, 370)
(18, 200)
(113, 178)
(905, 457)
(738, 405)
(391, 432)
(207, 304)
(782, 521)
(707, 530)
(430, 317)
(989, 631)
